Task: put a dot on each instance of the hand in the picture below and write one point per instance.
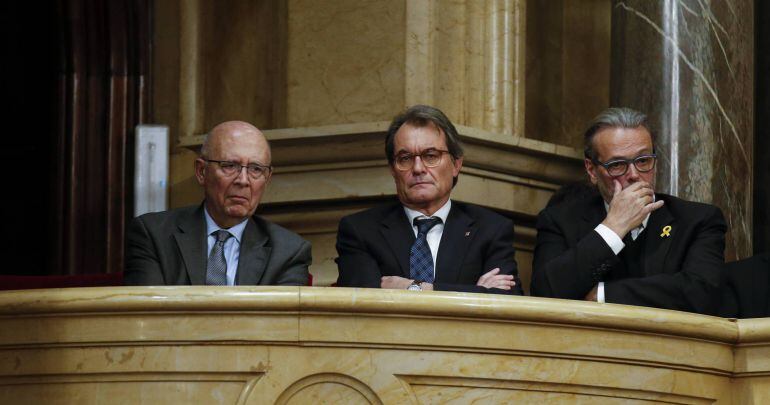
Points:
(395, 282)
(591, 296)
(492, 279)
(426, 286)
(629, 207)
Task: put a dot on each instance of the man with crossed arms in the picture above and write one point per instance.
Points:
(425, 240)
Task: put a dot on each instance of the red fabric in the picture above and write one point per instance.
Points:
(79, 280)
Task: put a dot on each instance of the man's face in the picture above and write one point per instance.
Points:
(619, 143)
(423, 188)
(231, 199)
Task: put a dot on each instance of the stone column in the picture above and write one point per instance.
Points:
(689, 65)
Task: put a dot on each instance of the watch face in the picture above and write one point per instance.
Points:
(414, 287)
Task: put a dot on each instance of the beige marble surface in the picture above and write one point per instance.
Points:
(296, 345)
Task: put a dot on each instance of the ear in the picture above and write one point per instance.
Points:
(268, 177)
(393, 171)
(591, 170)
(457, 165)
(200, 170)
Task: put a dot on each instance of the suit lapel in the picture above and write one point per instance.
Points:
(593, 214)
(191, 241)
(455, 239)
(399, 235)
(252, 259)
(657, 244)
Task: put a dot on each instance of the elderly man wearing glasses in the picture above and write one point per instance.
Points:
(629, 244)
(220, 241)
(425, 240)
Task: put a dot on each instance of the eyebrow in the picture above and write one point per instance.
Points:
(403, 151)
(642, 153)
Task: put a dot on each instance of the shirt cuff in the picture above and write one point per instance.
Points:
(611, 238)
(600, 292)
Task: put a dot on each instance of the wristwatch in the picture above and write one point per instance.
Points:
(415, 286)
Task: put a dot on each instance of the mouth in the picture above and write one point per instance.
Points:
(238, 199)
(421, 183)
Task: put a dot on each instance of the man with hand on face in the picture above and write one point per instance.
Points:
(426, 241)
(221, 241)
(630, 245)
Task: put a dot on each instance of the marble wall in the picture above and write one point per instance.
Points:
(567, 68)
(345, 61)
(689, 64)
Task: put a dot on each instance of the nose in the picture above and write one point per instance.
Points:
(418, 166)
(243, 176)
(632, 175)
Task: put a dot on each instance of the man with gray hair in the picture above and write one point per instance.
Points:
(220, 241)
(629, 244)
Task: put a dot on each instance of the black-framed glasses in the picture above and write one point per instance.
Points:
(430, 158)
(255, 171)
(619, 167)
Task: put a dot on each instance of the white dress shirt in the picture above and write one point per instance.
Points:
(232, 248)
(434, 234)
(615, 242)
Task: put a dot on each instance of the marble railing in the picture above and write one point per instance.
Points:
(249, 345)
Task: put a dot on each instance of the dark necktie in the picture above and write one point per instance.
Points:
(420, 259)
(216, 268)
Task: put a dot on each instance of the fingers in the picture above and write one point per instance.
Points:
(652, 207)
(486, 276)
(639, 188)
(394, 282)
(492, 279)
(618, 186)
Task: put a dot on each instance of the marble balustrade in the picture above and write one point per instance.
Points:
(299, 345)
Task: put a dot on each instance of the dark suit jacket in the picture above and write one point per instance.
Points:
(682, 271)
(747, 293)
(170, 248)
(376, 243)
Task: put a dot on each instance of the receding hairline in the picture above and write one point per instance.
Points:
(614, 118)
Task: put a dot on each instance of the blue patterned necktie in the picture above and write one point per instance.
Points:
(216, 268)
(420, 259)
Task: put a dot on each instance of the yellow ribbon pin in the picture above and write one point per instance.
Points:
(666, 231)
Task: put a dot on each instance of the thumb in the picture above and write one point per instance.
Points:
(618, 187)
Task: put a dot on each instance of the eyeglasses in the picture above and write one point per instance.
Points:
(619, 167)
(430, 158)
(230, 169)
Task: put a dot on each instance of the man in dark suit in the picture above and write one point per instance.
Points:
(629, 245)
(396, 245)
(748, 283)
(221, 241)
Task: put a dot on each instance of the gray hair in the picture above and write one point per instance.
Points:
(421, 115)
(615, 117)
(205, 146)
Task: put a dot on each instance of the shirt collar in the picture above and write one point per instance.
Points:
(646, 219)
(236, 231)
(442, 213)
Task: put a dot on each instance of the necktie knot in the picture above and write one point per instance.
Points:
(222, 235)
(425, 224)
